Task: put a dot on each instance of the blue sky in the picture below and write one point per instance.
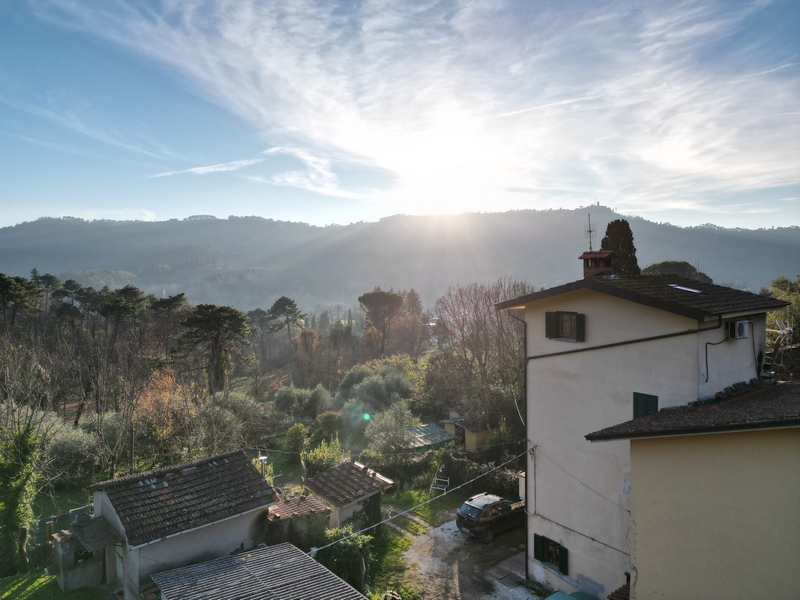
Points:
(326, 112)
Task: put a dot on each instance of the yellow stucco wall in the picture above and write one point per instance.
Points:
(716, 516)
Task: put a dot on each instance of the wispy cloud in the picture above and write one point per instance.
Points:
(81, 121)
(220, 168)
(641, 105)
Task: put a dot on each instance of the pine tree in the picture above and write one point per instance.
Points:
(619, 239)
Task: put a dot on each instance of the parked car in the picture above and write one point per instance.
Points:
(484, 515)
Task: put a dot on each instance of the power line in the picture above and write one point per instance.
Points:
(314, 551)
(588, 487)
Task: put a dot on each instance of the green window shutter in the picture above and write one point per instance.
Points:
(538, 552)
(644, 404)
(563, 562)
(550, 324)
(580, 327)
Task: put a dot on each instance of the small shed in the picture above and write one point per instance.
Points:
(346, 489)
(296, 519)
(473, 432)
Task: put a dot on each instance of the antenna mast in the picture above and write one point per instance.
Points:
(590, 231)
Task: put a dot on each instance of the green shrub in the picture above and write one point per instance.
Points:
(330, 422)
(295, 443)
(72, 456)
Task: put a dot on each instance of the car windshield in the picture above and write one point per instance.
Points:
(473, 512)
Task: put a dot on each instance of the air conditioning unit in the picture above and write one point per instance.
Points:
(738, 330)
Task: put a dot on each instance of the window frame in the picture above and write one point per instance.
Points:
(644, 404)
(554, 329)
(545, 549)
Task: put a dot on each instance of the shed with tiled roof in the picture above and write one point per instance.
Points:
(174, 515)
(297, 519)
(345, 487)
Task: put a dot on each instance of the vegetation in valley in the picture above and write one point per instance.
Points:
(96, 384)
(99, 383)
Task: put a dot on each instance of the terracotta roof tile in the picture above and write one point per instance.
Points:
(622, 593)
(771, 406)
(178, 498)
(296, 506)
(348, 482)
(270, 573)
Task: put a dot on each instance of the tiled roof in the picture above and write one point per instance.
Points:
(429, 435)
(622, 593)
(767, 407)
(348, 482)
(679, 295)
(296, 506)
(178, 498)
(597, 254)
(271, 573)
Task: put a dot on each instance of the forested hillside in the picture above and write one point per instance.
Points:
(249, 262)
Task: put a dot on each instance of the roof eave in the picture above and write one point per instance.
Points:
(785, 424)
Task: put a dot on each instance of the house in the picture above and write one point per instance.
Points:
(296, 519)
(714, 497)
(269, 573)
(599, 351)
(427, 437)
(184, 513)
(346, 489)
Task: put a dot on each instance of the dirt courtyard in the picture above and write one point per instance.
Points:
(449, 565)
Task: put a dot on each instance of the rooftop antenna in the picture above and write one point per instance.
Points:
(590, 231)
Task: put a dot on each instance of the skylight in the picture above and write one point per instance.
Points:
(685, 289)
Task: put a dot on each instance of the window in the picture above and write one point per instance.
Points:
(644, 404)
(548, 551)
(569, 326)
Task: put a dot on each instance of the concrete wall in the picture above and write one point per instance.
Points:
(578, 492)
(716, 516)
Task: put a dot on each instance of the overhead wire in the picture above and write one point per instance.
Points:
(314, 551)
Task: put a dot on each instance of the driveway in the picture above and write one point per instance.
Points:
(449, 565)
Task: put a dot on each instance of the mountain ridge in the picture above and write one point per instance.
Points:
(249, 262)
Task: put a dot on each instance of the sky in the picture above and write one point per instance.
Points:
(330, 112)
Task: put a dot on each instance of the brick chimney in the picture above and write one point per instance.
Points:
(597, 262)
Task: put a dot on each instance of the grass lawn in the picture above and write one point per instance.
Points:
(388, 566)
(38, 586)
(435, 512)
(61, 502)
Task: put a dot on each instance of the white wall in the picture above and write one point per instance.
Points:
(579, 491)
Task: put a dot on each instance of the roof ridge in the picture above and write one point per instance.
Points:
(163, 470)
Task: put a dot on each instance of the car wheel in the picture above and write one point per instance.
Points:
(488, 536)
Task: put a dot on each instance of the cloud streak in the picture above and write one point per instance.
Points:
(220, 168)
(642, 105)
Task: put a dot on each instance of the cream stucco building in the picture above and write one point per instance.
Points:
(715, 497)
(600, 351)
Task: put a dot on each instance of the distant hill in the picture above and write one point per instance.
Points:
(249, 262)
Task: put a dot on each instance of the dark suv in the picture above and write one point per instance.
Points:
(486, 514)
